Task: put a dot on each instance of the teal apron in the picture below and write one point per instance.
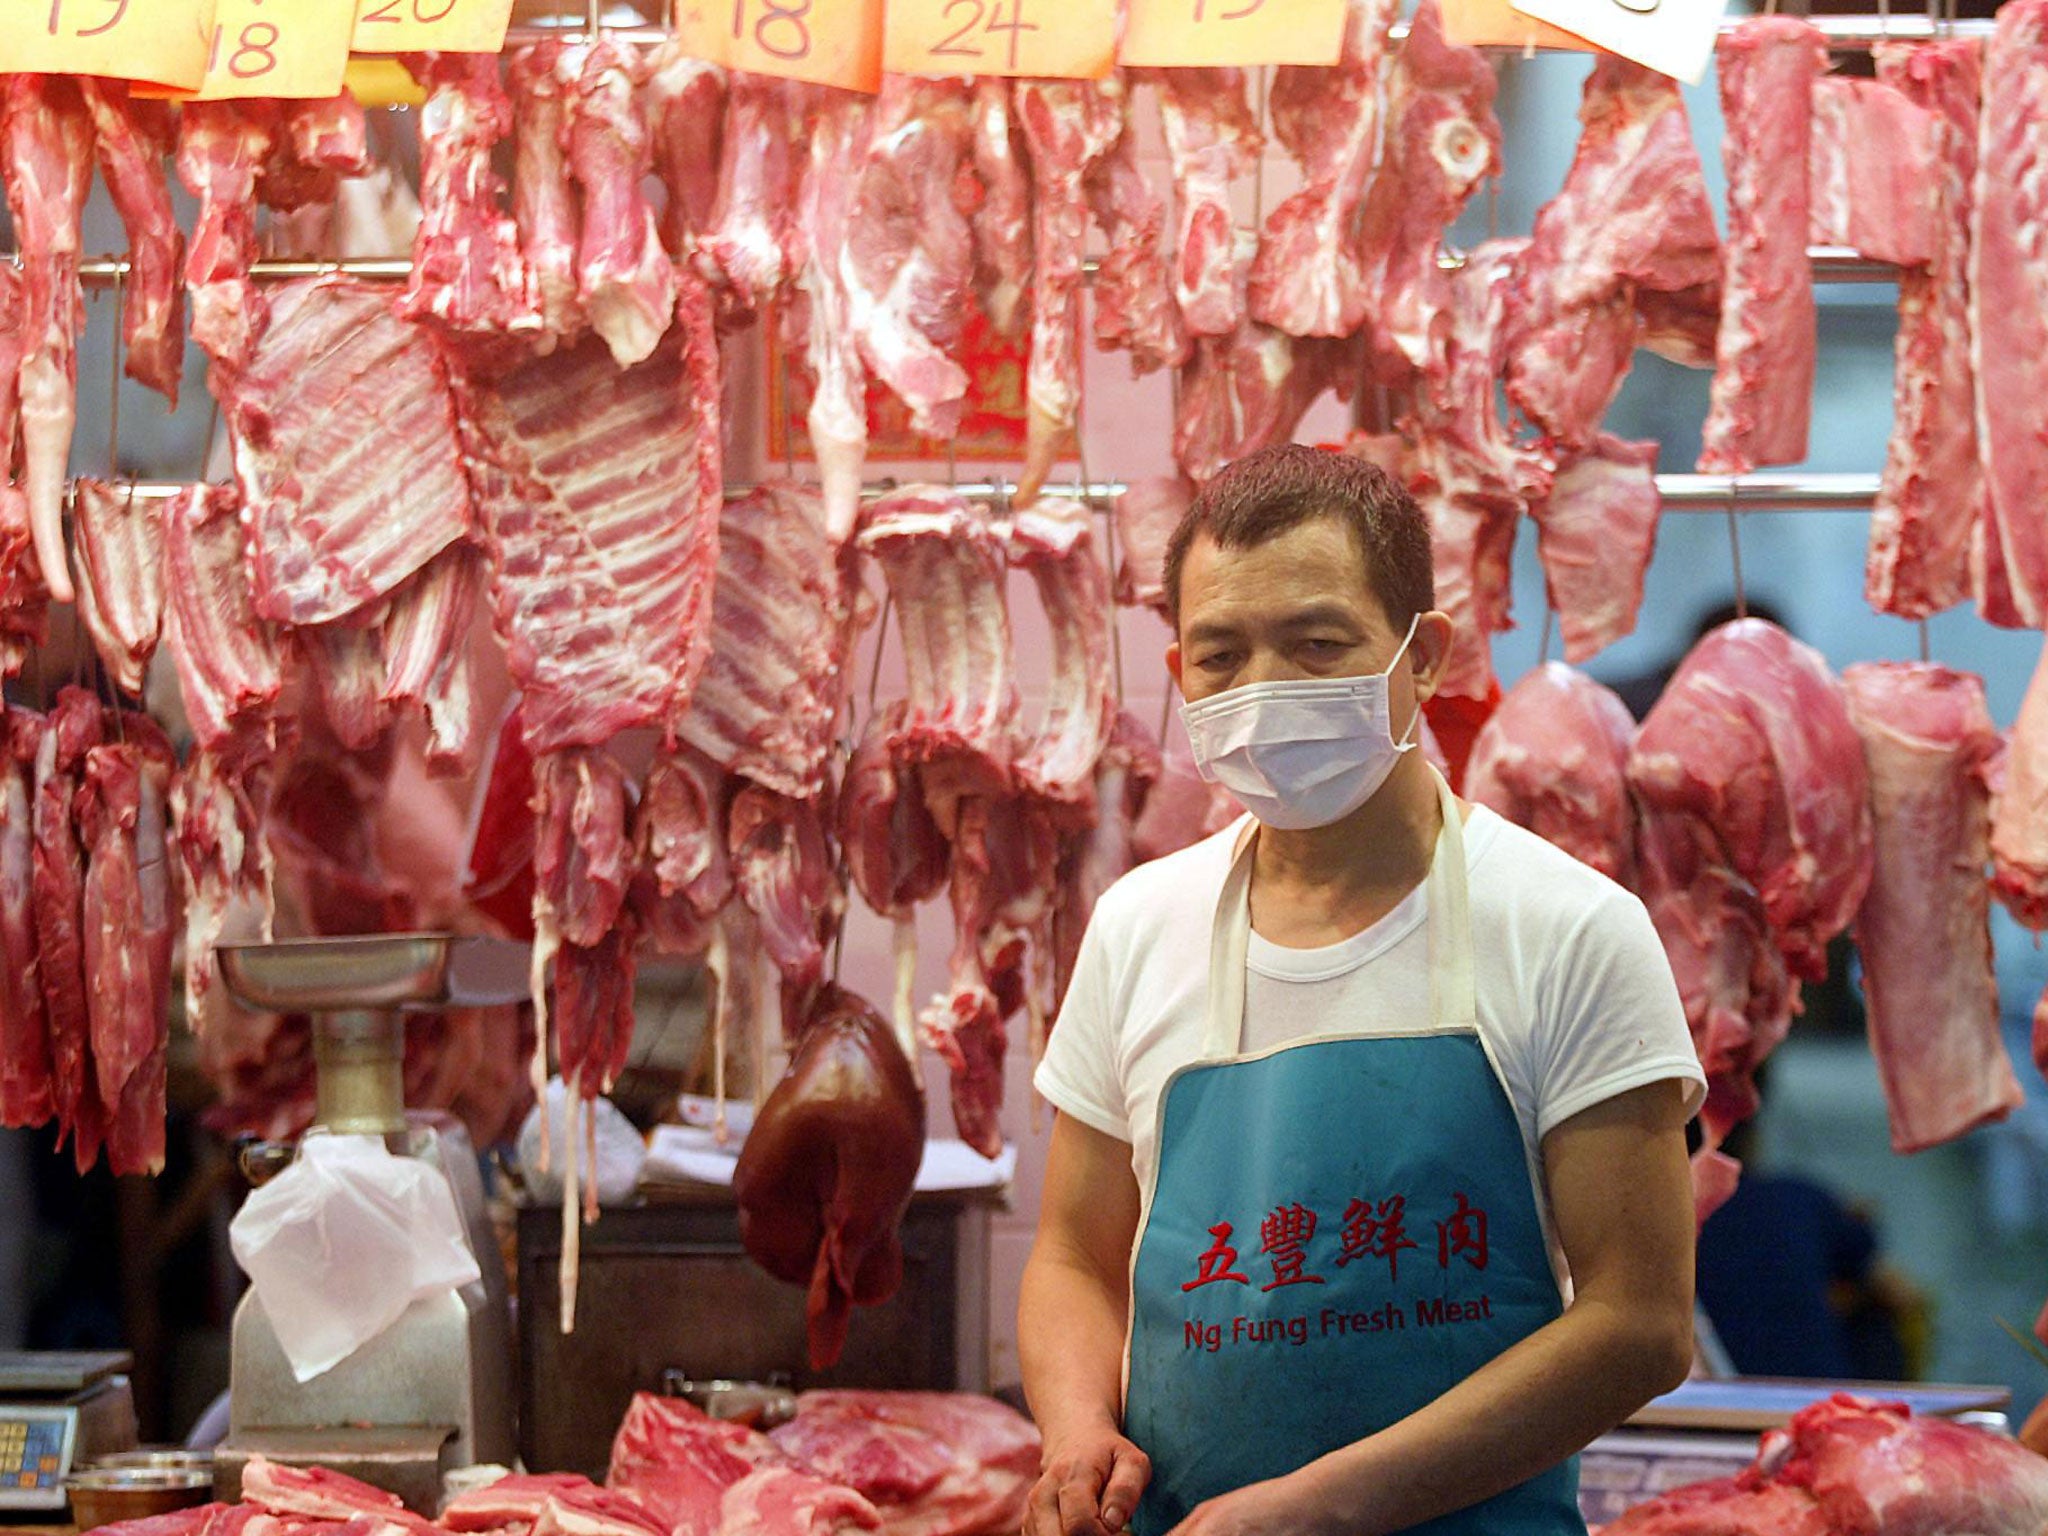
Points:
(1338, 1232)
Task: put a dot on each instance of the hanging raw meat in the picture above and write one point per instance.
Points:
(1764, 356)
(345, 450)
(24, 600)
(1553, 758)
(1212, 140)
(826, 1172)
(600, 494)
(73, 729)
(427, 656)
(1756, 842)
(1146, 515)
(1441, 139)
(2008, 312)
(1309, 278)
(685, 103)
(783, 616)
(467, 269)
(1923, 931)
(1094, 860)
(1931, 502)
(222, 147)
(682, 874)
(837, 421)
(908, 256)
(896, 853)
(133, 139)
(1002, 224)
(782, 870)
(543, 197)
(1132, 293)
(26, 1072)
(219, 802)
(1596, 531)
(118, 537)
(2019, 825)
(228, 658)
(1054, 540)
(1871, 182)
(126, 920)
(1069, 125)
(46, 143)
(625, 282)
(1632, 222)
(754, 245)
(1249, 390)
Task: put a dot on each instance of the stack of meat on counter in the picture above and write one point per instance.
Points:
(530, 427)
(897, 1463)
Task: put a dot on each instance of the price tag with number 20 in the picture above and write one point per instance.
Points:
(1162, 34)
(161, 41)
(1061, 39)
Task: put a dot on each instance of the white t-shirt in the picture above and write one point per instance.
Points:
(1575, 997)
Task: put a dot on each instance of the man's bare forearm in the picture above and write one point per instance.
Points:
(1518, 1415)
(1070, 1341)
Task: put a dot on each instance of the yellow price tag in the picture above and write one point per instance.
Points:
(161, 41)
(291, 49)
(443, 26)
(1060, 39)
(1673, 37)
(1495, 23)
(1160, 34)
(828, 42)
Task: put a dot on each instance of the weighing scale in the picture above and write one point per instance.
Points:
(434, 1391)
(58, 1411)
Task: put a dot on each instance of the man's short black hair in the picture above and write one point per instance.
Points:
(1264, 494)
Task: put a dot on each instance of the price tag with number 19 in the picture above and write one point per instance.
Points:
(160, 41)
(1163, 34)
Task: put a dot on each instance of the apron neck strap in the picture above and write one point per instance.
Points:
(1451, 991)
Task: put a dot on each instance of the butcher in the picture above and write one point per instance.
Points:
(1367, 1202)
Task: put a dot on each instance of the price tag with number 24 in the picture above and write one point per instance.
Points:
(1162, 34)
(161, 41)
(1061, 39)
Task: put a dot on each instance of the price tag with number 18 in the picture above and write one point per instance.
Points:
(289, 49)
(828, 42)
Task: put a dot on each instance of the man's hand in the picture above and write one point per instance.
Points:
(1280, 1506)
(1089, 1487)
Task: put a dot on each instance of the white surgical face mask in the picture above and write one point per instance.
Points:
(1301, 752)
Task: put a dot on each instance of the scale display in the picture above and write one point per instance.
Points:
(35, 1454)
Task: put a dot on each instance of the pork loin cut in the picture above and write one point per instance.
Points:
(219, 802)
(934, 1463)
(26, 1084)
(908, 257)
(313, 1492)
(1554, 758)
(74, 727)
(1923, 929)
(119, 540)
(427, 654)
(345, 450)
(1212, 140)
(775, 1501)
(2019, 823)
(625, 282)
(1596, 531)
(1054, 540)
(600, 494)
(1631, 221)
(784, 612)
(229, 663)
(468, 272)
(46, 143)
(1872, 171)
(2008, 297)
(1764, 357)
(1931, 504)
(1308, 278)
(134, 139)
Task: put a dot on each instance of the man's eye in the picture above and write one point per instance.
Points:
(1212, 661)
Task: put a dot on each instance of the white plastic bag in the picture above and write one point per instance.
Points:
(620, 1149)
(343, 1241)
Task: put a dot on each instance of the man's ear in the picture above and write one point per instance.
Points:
(1430, 652)
(1173, 663)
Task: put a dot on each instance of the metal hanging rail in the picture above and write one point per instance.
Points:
(1680, 493)
(1831, 264)
(1844, 34)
